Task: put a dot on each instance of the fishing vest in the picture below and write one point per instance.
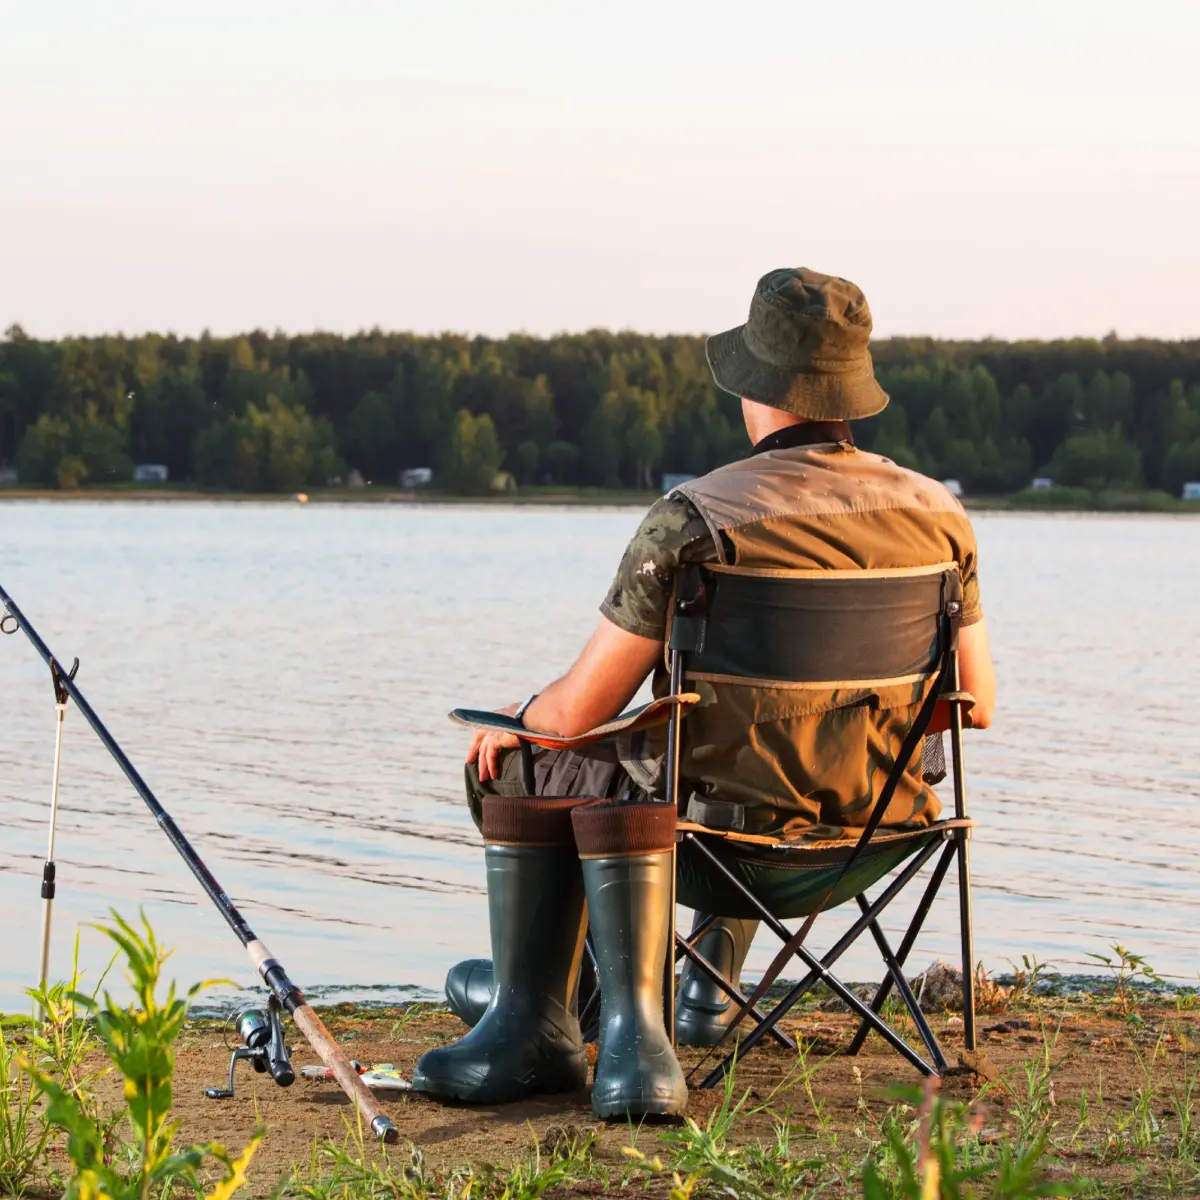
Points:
(808, 763)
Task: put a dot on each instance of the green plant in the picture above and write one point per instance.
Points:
(1185, 1087)
(23, 1136)
(63, 1033)
(1126, 967)
(1033, 1101)
(702, 1151)
(139, 1041)
(352, 1170)
(412, 1013)
(941, 1159)
(1027, 976)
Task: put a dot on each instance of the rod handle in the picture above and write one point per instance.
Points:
(330, 1053)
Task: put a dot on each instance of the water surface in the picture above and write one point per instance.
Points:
(280, 676)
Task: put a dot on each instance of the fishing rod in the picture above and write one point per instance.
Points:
(273, 975)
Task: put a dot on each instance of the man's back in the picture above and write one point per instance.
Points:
(800, 761)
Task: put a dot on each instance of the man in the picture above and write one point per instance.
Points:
(805, 497)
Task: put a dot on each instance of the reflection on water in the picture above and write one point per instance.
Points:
(280, 675)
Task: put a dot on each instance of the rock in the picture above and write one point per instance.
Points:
(938, 987)
(976, 1062)
(562, 1141)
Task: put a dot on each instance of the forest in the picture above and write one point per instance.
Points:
(277, 413)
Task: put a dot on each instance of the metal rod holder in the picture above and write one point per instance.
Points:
(49, 867)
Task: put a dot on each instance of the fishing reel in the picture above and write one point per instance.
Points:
(263, 1046)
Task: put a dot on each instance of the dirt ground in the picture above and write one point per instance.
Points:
(832, 1099)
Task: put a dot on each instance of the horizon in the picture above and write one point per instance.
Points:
(1112, 337)
(1025, 176)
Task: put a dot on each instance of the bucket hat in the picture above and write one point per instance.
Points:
(804, 348)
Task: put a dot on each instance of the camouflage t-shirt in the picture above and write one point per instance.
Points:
(670, 534)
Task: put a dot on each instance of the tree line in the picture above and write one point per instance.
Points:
(271, 412)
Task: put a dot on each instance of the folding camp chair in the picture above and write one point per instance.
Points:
(860, 631)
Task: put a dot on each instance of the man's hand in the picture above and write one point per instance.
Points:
(602, 681)
(486, 746)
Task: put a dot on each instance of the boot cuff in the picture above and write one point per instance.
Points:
(607, 830)
(529, 820)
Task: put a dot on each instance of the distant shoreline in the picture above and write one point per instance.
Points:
(1104, 502)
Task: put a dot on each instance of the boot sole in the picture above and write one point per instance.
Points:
(466, 1093)
(612, 1110)
(699, 1033)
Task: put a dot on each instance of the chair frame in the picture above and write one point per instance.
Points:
(952, 837)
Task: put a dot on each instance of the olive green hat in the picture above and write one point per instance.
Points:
(803, 348)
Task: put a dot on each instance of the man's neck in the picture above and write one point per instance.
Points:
(804, 433)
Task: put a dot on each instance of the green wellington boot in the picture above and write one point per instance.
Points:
(528, 1040)
(469, 990)
(626, 851)
(704, 1011)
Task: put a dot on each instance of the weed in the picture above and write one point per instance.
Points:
(139, 1041)
(1027, 977)
(23, 1136)
(990, 996)
(64, 1035)
(353, 1170)
(411, 1013)
(943, 1160)
(1034, 1103)
(1125, 968)
(1142, 1125)
(1184, 1090)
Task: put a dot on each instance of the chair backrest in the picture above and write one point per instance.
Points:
(816, 628)
(866, 631)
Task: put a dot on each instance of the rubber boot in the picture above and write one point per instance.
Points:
(628, 867)
(703, 1011)
(528, 1040)
(469, 990)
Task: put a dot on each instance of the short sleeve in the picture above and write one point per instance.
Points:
(671, 533)
(969, 567)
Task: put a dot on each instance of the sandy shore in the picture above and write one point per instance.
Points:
(1090, 1064)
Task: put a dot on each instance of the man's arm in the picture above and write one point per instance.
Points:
(975, 675)
(603, 680)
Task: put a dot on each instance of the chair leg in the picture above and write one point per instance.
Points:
(910, 1001)
(963, 837)
(843, 993)
(906, 945)
(701, 928)
(819, 971)
(685, 949)
(589, 1007)
(968, 939)
(669, 961)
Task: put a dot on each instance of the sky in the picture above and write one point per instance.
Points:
(1025, 169)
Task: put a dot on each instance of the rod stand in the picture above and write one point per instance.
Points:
(56, 679)
(263, 1048)
(59, 683)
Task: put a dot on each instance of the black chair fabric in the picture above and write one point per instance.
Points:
(815, 629)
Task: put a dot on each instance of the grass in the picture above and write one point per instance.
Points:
(1032, 1132)
(23, 1135)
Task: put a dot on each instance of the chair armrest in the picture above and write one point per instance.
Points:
(657, 712)
(963, 698)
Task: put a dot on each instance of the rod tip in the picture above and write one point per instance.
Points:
(385, 1131)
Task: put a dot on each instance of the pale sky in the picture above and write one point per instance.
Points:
(1016, 169)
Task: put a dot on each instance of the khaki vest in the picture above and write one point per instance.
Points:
(810, 762)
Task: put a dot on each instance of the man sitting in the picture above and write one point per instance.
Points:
(805, 497)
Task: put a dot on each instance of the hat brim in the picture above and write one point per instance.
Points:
(819, 396)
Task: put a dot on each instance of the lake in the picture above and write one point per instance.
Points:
(281, 674)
